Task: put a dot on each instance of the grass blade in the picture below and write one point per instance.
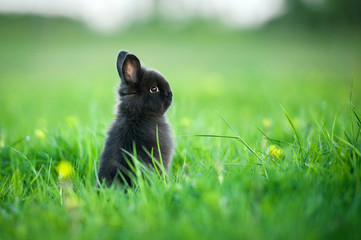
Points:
(243, 142)
(302, 151)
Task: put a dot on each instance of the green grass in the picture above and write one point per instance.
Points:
(288, 87)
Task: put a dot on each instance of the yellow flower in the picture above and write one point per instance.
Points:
(64, 169)
(185, 122)
(72, 121)
(267, 123)
(39, 134)
(275, 151)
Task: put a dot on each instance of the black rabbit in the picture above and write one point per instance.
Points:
(145, 96)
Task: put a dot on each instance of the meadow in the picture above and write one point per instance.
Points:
(288, 96)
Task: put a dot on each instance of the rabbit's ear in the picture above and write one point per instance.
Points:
(128, 66)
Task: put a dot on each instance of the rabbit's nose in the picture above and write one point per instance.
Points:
(169, 94)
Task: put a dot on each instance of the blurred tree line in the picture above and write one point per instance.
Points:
(323, 12)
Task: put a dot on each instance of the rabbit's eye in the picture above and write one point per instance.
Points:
(154, 89)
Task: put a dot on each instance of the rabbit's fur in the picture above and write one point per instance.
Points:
(145, 96)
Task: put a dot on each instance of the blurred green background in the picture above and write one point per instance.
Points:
(58, 84)
(54, 68)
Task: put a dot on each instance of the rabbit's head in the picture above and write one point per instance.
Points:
(142, 92)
